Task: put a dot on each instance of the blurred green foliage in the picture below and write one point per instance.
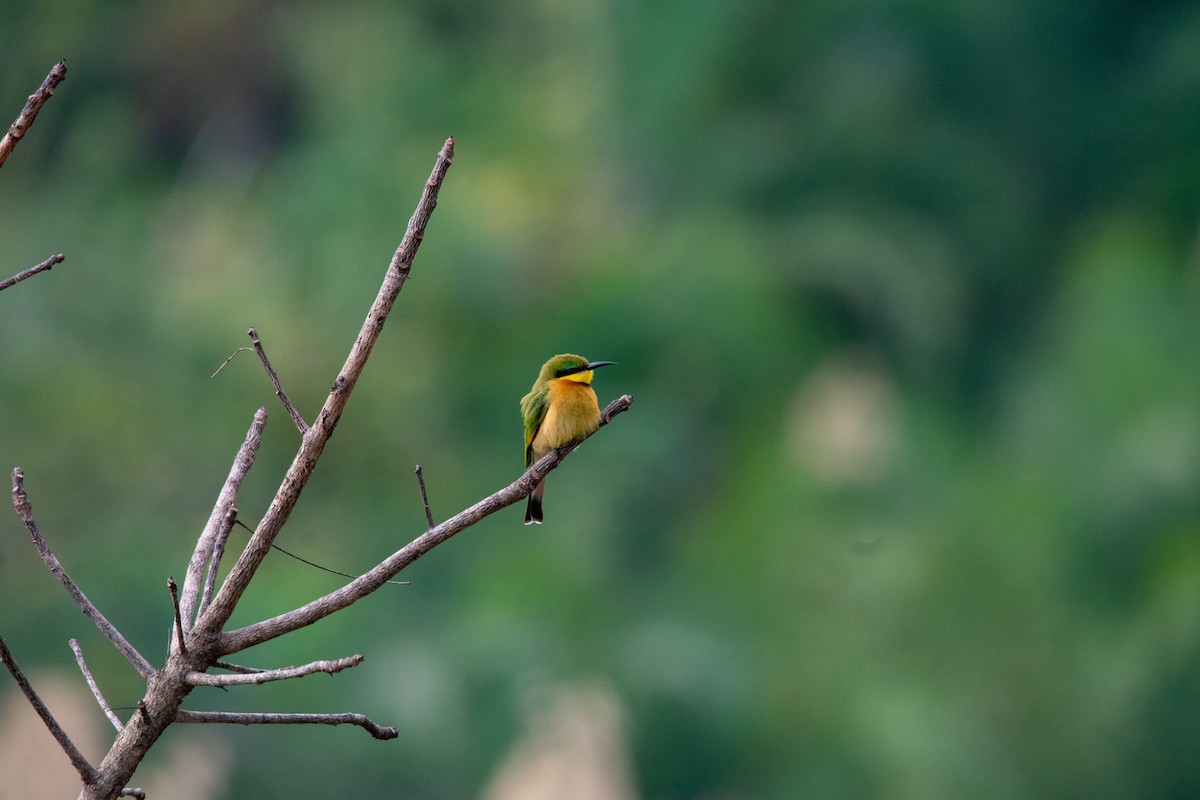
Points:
(909, 503)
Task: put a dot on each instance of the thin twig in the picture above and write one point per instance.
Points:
(219, 519)
(214, 563)
(301, 425)
(29, 273)
(424, 498)
(380, 732)
(85, 770)
(226, 361)
(25, 512)
(313, 564)
(281, 674)
(91, 682)
(259, 632)
(130, 791)
(33, 105)
(173, 588)
(313, 442)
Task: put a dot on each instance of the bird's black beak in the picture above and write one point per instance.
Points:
(598, 364)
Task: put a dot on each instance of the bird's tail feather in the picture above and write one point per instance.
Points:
(533, 508)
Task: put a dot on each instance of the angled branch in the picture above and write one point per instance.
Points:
(33, 105)
(29, 273)
(91, 682)
(380, 732)
(315, 438)
(259, 632)
(25, 512)
(86, 771)
(301, 425)
(220, 521)
(283, 673)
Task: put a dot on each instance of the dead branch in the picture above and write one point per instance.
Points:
(25, 512)
(86, 771)
(214, 563)
(219, 520)
(301, 425)
(259, 632)
(173, 588)
(257, 677)
(91, 682)
(315, 438)
(202, 610)
(33, 105)
(380, 732)
(29, 273)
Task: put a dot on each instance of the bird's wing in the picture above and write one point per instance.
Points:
(533, 410)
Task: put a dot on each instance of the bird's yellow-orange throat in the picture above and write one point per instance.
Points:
(572, 412)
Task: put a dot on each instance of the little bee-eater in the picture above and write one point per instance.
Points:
(560, 408)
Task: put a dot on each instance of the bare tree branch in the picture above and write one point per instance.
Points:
(424, 498)
(315, 438)
(220, 520)
(380, 732)
(130, 791)
(86, 771)
(173, 588)
(25, 512)
(283, 673)
(33, 105)
(259, 632)
(301, 425)
(91, 682)
(29, 273)
(214, 563)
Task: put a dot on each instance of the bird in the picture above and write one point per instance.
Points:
(560, 408)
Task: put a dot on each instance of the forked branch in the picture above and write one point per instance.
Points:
(317, 435)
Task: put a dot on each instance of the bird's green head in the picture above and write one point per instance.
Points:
(571, 367)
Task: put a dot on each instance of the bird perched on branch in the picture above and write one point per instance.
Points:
(559, 409)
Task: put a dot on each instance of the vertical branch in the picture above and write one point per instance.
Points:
(315, 438)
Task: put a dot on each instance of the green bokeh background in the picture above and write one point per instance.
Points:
(908, 293)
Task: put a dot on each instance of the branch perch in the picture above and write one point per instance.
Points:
(240, 639)
(33, 105)
(25, 512)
